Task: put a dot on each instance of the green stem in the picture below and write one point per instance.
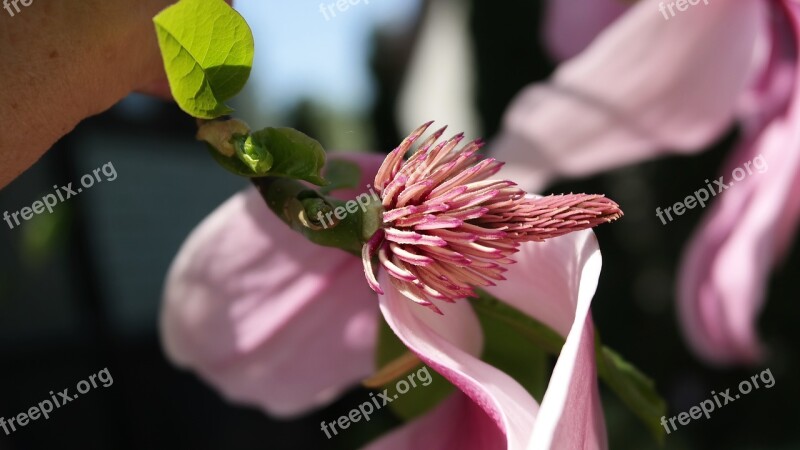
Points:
(299, 206)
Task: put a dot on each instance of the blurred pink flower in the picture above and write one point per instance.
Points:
(648, 86)
(275, 321)
(571, 25)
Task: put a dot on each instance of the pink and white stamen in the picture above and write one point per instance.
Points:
(448, 227)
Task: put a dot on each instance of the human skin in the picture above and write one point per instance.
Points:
(61, 62)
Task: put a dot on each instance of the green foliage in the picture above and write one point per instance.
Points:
(416, 401)
(635, 390)
(294, 154)
(42, 237)
(508, 349)
(207, 49)
(519, 346)
(341, 174)
(280, 152)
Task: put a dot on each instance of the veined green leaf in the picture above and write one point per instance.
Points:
(294, 154)
(207, 48)
(279, 152)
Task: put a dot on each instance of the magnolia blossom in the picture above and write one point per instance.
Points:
(447, 226)
(646, 86)
(275, 321)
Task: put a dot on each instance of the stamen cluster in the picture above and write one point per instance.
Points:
(448, 227)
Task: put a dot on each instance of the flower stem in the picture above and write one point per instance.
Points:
(304, 210)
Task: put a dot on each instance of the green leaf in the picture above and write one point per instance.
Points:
(207, 49)
(294, 154)
(508, 349)
(635, 390)
(341, 174)
(280, 152)
(416, 401)
(534, 331)
(255, 157)
(234, 164)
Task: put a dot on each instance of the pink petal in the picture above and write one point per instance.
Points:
(545, 284)
(724, 276)
(570, 25)
(265, 316)
(646, 85)
(554, 282)
(457, 423)
(450, 344)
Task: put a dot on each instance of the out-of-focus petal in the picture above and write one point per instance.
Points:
(644, 86)
(554, 282)
(727, 263)
(570, 25)
(450, 344)
(725, 269)
(770, 93)
(457, 423)
(265, 316)
(446, 93)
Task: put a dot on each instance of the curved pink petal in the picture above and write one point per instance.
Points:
(570, 25)
(267, 317)
(450, 344)
(725, 269)
(457, 423)
(559, 277)
(771, 91)
(554, 282)
(644, 86)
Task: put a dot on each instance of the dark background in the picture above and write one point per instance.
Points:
(80, 288)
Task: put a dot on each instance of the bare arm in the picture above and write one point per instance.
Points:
(61, 62)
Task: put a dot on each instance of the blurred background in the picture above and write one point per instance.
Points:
(80, 288)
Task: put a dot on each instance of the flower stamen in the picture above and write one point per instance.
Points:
(447, 226)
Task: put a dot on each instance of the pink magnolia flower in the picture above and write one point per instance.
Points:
(280, 323)
(648, 86)
(447, 226)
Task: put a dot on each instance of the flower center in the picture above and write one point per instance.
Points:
(446, 227)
